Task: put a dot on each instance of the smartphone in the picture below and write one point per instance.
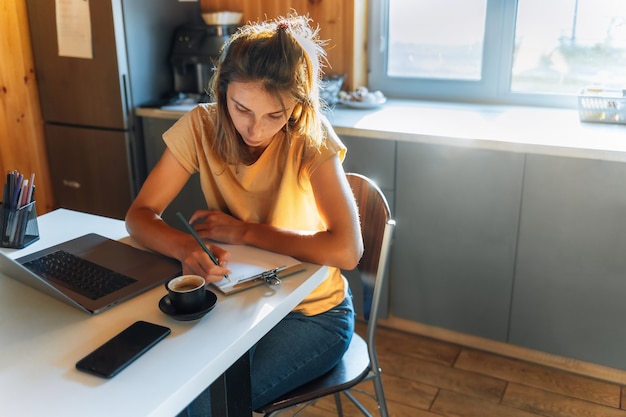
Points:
(123, 349)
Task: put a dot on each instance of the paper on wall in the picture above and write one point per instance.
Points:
(74, 28)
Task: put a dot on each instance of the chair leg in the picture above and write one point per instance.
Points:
(380, 396)
(357, 403)
(338, 405)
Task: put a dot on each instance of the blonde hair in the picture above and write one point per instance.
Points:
(286, 56)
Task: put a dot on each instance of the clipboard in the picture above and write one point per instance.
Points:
(252, 267)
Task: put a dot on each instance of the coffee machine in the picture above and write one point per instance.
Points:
(194, 53)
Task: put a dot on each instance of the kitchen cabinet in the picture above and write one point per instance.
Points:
(453, 258)
(519, 247)
(455, 261)
(570, 280)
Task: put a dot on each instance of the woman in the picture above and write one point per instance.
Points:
(270, 170)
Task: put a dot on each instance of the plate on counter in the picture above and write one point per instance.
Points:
(365, 105)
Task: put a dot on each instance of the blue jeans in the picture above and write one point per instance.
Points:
(297, 350)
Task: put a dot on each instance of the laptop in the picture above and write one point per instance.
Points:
(131, 271)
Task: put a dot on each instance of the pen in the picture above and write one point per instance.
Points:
(16, 189)
(195, 236)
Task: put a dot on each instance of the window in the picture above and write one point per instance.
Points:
(423, 45)
(534, 52)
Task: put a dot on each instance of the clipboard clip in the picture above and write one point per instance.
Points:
(271, 277)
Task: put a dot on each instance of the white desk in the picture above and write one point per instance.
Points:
(42, 338)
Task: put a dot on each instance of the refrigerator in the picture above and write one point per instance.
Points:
(95, 62)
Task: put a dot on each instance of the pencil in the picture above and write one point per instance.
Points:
(200, 242)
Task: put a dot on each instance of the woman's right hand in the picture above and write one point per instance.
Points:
(198, 262)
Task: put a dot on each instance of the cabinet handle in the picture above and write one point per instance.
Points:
(71, 184)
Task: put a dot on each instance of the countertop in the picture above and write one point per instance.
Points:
(547, 131)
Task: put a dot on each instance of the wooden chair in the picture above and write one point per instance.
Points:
(360, 362)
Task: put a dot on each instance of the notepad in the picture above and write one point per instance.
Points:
(252, 266)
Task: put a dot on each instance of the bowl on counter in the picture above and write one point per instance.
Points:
(362, 98)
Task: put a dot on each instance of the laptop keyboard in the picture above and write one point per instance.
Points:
(79, 275)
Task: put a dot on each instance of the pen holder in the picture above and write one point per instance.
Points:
(18, 226)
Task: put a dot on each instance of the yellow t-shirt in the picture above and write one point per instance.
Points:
(268, 191)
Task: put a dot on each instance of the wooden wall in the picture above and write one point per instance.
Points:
(22, 143)
(21, 126)
(342, 22)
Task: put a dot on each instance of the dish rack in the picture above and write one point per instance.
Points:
(602, 106)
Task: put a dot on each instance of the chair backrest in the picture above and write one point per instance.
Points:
(377, 228)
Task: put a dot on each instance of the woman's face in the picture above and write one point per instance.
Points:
(256, 114)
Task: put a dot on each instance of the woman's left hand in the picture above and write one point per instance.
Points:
(218, 226)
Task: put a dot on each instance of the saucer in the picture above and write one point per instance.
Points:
(165, 305)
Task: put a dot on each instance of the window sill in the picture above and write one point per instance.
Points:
(546, 131)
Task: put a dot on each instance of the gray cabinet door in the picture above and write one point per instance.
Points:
(374, 158)
(190, 197)
(570, 283)
(453, 259)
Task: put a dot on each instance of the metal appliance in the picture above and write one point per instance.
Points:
(95, 149)
(193, 55)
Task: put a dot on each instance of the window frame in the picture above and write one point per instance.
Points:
(492, 88)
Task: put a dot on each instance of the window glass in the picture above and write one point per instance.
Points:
(436, 39)
(534, 52)
(562, 46)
